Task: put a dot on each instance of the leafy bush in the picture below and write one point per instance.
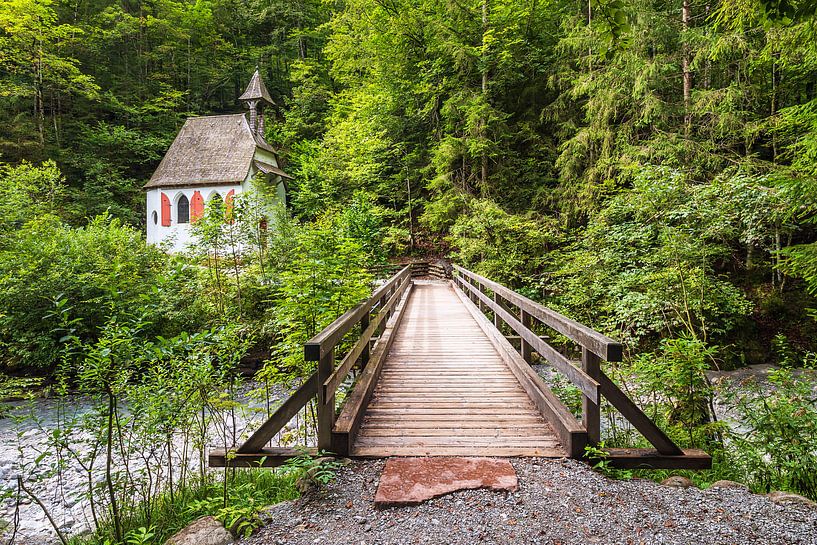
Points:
(778, 450)
(674, 379)
(48, 268)
(508, 248)
(647, 265)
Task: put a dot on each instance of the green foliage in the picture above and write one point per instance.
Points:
(28, 191)
(600, 458)
(326, 276)
(675, 374)
(648, 263)
(320, 470)
(249, 491)
(48, 269)
(508, 248)
(777, 450)
(140, 536)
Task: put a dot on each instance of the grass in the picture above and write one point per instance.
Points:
(237, 505)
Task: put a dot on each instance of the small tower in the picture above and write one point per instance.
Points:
(256, 97)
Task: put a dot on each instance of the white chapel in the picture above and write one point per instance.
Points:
(212, 157)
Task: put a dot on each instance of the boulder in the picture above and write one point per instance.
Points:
(789, 498)
(728, 484)
(204, 531)
(676, 481)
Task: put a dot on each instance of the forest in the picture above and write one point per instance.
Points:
(649, 170)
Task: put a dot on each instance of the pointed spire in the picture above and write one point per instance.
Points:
(256, 90)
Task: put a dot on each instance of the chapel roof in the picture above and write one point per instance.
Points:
(209, 150)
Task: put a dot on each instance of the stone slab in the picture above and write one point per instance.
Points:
(409, 481)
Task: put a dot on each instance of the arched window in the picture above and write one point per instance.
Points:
(183, 210)
(155, 217)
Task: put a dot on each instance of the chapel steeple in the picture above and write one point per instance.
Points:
(256, 97)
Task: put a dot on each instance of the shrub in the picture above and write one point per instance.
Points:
(778, 450)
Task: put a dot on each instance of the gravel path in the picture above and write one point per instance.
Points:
(559, 502)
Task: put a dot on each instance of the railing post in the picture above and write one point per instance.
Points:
(591, 414)
(481, 288)
(497, 319)
(326, 402)
(364, 356)
(527, 349)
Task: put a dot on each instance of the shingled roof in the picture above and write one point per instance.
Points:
(208, 151)
(256, 90)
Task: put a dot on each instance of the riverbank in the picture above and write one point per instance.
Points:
(60, 481)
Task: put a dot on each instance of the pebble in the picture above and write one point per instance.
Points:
(558, 502)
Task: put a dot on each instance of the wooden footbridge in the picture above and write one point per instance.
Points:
(443, 368)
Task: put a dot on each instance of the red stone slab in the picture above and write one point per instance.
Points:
(409, 481)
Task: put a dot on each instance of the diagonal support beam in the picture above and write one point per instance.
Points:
(281, 417)
(637, 418)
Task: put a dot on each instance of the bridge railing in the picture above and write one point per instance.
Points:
(321, 347)
(372, 344)
(590, 378)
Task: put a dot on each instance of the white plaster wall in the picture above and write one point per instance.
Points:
(177, 237)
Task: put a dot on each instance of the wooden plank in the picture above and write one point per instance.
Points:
(636, 417)
(351, 416)
(652, 459)
(525, 347)
(579, 378)
(458, 432)
(455, 405)
(445, 384)
(440, 441)
(329, 337)
(367, 348)
(599, 344)
(414, 400)
(281, 416)
(382, 423)
(266, 457)
(572, 435)
(453, 412)
(437, 419)
(379, 452)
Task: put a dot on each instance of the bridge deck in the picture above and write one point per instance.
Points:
(444, 390)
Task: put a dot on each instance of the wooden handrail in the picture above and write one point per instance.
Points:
(325, 341)
(321, 347)
(601, 345)
(590, 379)
(579, 378)
(331, 384)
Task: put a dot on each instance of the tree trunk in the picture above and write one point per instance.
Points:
(685, 17)
(117, 521)
(774, 106)
(484, 122)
